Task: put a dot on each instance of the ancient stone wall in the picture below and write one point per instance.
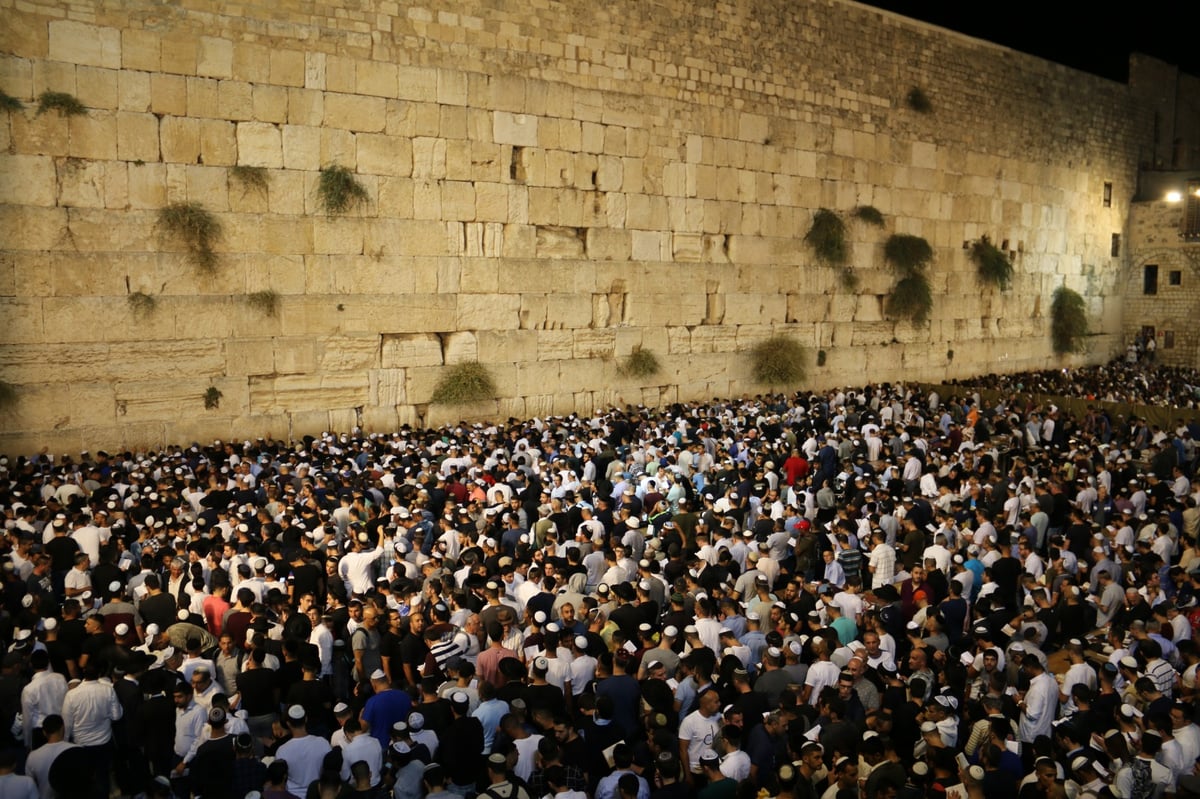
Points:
(551, 186)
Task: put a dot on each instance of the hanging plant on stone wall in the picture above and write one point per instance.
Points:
(339, 191)
(912, 296)
(64, 104)
(464, 383)
(778, 361)
(641, 362)
(1069, 327)
(992, 265)
(827, 237)
(197, 229)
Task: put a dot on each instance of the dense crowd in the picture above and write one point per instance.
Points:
(1119, 381)
(863, 594)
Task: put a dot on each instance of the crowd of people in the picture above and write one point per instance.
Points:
(1119, 381)
(874, 593)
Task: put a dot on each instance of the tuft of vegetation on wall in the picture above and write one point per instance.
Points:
(907, 254)
(868, 214)
(919, 101)
(9, 103)
(1068, 321)
(992, 265)
(464, 383)
(251, 178)
(640, 363)
(827, 237)
(212, 398)
(339, 191)
(198, 230)
(265, 302)
(141, 304)
(65, 104)
(912, 296)
(778, 361)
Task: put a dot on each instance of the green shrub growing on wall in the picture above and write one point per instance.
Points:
(868, 214)
(196, 228)
(141, 304)
(212, 398)
(827, 237)
(919, 101)
(778, 361)
(339, 190)
(640, 363)
(912, 296)
(265, 302)
(992, 265)
(252, 178)
(65, 104)
(464, 383)
(9, 103)
(1068, 321)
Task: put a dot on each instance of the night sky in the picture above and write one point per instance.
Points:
(1081, 35)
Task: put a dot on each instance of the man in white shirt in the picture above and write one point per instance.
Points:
(1040, 703)
(698, 730)
(360, 745)
(41, 759)
(89, 711)
(42, 697)
(357, 567)
(304, 753)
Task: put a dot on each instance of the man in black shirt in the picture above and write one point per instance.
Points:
(158, 607)
(461, 751)
(211, 769)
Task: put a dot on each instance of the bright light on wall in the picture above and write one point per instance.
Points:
(1174, 196)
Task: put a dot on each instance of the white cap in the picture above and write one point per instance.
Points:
(295, 712)
(50, 624)
(122, 629)
(378, 675)
(581, 641)
(151, 629)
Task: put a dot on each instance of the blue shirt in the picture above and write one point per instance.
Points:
(383, 710)
(489, 714)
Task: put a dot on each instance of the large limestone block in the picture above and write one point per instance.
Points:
(44, 134)
(140, 49)
(27, 180)
(537, 376)
(608, 245)
(180, 140)
(298, 393)
(516, 129)
(417, 83)
(387, 387)
(461, 347)
(80, 43)
(260, 144)
(249, 356)
(94, 135)
(354, 112)
(294, 356)
(137, 137)
(595, 343)
(81, 183)
(380, 154)
(560, 242)
(555, 344)
(568, 310)
(507, 346)
(98, 85)
(403, 350)
(481, 312)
